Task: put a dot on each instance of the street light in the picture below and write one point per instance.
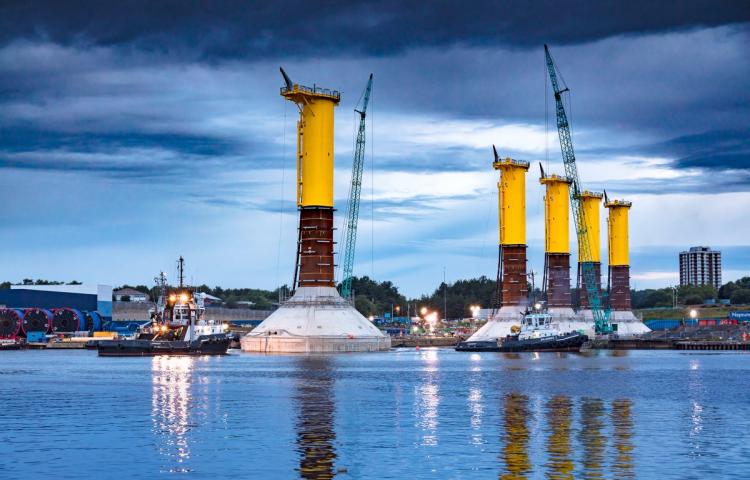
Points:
(693, 313)
(537, 306)
(423, 310)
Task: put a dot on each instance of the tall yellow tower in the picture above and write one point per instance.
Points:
(591, 215)
(315, 265)
(512, 228)
(557, 241)
(619, 261)
(316, 319)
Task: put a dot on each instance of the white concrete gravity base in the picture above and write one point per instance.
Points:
(500, 325)
(628, 324)
(315, 320)
(568, 321)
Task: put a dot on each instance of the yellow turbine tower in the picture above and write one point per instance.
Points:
(619, 268)
(316, 318)
(512, 282)
(557, 243)
(512, 228)
(315, 266)
(591, 215)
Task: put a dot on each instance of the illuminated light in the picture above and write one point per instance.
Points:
(172, 298)
(537, 306)
(183, 298)
(693, 313)
(423, 310)
(371, 318)
(225, 326)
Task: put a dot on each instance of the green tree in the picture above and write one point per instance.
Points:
(693, 299)
(741, 296)
(364, 306)
(703, 291)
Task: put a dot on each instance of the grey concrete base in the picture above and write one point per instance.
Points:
(315, 320)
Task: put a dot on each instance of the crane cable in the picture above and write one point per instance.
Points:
(281, 205)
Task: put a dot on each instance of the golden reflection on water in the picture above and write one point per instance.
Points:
(315, 402)
(592, 438)
(516, 437)
(560, 464)
(622, 437)
(170, 407)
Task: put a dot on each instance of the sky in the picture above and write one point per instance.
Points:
(135, 132)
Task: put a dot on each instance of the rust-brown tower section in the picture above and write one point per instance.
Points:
(316, 268)
(556, 241)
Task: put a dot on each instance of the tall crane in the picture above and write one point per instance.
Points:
(352, 210)
(601, 317)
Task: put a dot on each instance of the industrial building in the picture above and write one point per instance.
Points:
(316, 318)
(700, 266)
(53, 308)
(86, 297)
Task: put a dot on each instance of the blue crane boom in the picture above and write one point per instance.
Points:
(601, 317)
(352, 213)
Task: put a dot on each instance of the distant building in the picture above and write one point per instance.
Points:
(130, 295)
(700, 266)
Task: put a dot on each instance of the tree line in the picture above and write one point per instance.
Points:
(377, 298)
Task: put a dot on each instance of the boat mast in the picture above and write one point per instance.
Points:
(181, 270)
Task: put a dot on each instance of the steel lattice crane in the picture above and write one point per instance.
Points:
(352, 213)
(601, 317)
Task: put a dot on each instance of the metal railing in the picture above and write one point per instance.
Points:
(314, 90)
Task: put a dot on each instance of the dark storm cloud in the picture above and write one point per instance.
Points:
(718, 150)
(241, 29)
(19, 139)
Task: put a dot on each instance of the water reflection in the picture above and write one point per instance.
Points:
(592, 438)
(516, 437)
(623, 433)
(427, 399)
(315, 403)
(170, 408)
(560, 464)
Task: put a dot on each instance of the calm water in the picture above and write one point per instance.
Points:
(402, 414)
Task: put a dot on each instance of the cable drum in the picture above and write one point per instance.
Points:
(67, 320)
(10, 322)
(92, 322)
(37, 320)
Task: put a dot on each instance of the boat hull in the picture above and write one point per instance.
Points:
(571, 342)
(206, 345)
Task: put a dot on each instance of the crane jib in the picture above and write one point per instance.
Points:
(588, 268)
(352, 217)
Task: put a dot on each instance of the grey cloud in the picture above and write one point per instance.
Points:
(237, 29)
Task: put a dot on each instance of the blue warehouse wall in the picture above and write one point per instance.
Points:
(20, 298)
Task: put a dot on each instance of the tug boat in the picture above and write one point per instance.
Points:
(536, 334)
(178, 327)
